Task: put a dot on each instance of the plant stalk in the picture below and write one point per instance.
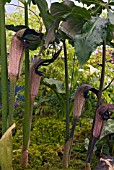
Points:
(27, 119)
(102, 74)
(4, 71)
(99, 95)
(67, 92)
(68, 145)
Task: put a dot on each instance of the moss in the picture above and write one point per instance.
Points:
(47, 143)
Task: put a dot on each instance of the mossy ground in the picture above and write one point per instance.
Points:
(47, 143)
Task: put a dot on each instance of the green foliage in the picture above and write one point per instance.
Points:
(93, 35)
(43, 7)
(108, 129)
(5, 1)
(6, 149)
(111, 17)
(73, 17)
(47, 140)
(58, 85)
(46, 131)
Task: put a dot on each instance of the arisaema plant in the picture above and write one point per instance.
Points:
(86, 29)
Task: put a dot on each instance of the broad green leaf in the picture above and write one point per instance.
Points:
(72, 26)
(43, 7)
(66, 8)
(57, 83)
(95, 10)
(94, 31)
(108, 129)
(6, 149)
(73, 18)
(75, 21)
(110, 35)
(111, 17)
(61, 10)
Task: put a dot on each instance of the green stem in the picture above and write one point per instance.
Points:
(13, 80)
(67, 92)
(4, 72)
(68, 145)
(102, 74)
(72, 77)
(27, 117)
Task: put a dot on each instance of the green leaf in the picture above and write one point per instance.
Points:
(33, 38)
(94, 31)
(43, 7)
(6, 149)
(110, 35)
(15, 28)
(26, 2)
(29, 2)
(95, 10)
(108, 129)
(112, 3)
(66, 8)
(50, 37)
(73, 18)
(57, 83)
(23, 1)
(75, 21)
(111, 17)
(61, 10)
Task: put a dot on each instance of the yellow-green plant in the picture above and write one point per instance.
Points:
(6, 149)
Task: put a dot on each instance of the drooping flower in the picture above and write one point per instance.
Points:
(34, 79)
(16, 54)
(15, 63)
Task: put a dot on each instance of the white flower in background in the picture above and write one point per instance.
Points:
(93, 69)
